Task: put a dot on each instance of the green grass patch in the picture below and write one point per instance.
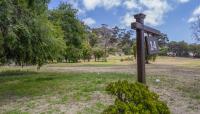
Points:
(73, 87)
(29, 84)
(16, 112)
(192, 89)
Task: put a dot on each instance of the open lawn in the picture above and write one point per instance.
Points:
(79, 88)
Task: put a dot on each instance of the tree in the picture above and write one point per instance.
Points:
(91, 36)
(195, 49)
(74, 30)
(27, 35)
(1, 48)
(125, 40)
(134, 47)
(196, 28)
(179, 48)
(105, 36)
(86, 51)
(98, 53)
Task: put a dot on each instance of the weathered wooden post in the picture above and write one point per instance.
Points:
(151, 45)
(140, 49)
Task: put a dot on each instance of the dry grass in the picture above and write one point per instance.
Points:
(179, 86)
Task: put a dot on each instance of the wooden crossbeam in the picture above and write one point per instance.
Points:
(146, 29)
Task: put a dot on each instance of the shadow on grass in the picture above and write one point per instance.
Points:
(8, 73)
(18, 84)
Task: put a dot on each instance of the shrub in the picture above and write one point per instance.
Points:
(134, 98)
(86, 52)
(98, 53)
(127, 59)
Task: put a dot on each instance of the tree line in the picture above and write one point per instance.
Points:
(31, 34)
(181, 49)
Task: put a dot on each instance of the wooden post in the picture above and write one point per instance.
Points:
(140, 30)
(140, 49)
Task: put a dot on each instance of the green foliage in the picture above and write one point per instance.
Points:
(86, 51)
(195, 49)
(179, 48)
(134, 47)
(127, 50)
(134, 98)
(27, 36)
(74, 31)
(112, 51)
(92, 37)
(98, 53)
(150, 58)
(163, 51)
(127, 59)
(72, 54)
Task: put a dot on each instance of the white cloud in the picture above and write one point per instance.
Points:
(195, 15)
(183, 1)
(107, 4)
(156, 9)
(197, 11)
(153, 9)
(91, 4)
(89, 21)
(131, 4)
(127, 19)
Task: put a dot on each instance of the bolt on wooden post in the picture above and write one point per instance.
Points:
(140, 39)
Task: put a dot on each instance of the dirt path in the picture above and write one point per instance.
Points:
(151, 69)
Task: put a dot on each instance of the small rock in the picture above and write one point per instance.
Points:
(157, 80)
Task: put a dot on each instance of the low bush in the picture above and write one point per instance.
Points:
(127, 59)
(134, 98)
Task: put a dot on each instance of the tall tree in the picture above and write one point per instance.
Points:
(74, 31)
(27, 36)
(196, 29)
(105, 36)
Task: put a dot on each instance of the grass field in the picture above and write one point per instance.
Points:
(79, 88)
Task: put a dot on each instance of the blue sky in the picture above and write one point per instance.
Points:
(172, 17)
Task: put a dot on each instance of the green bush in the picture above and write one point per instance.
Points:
(127, 59)
(134, 98)
(98, 53)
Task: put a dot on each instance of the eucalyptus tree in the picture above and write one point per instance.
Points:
(125, 40)
(196, 28)
(105, 38)
(92, 36)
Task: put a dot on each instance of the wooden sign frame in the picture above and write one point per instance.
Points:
(140, 40)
